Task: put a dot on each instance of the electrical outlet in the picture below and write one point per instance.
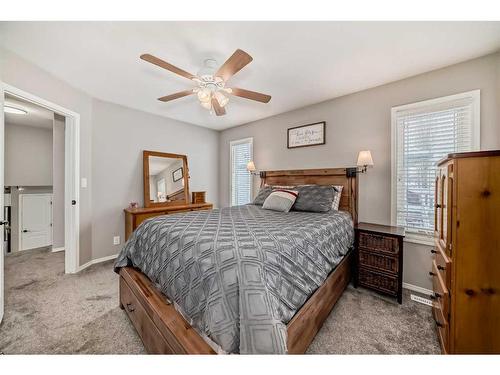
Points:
(116, 240)
(419, 299)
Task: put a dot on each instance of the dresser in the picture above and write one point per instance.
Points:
(135, 216)
(379, 263)
(465, 268)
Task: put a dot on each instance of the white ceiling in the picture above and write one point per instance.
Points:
(298, 63)
(37, 116)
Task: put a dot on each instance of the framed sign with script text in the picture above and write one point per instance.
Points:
(306, 135)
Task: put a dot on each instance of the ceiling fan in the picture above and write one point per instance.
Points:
(211, 87)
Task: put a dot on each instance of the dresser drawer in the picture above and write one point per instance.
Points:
(376, 242)
(374, 279)
(442, 325)
(147, 330)
(441, 294)
(379, 261)
(443, 264)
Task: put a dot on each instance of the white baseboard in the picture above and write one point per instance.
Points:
(56, 249)
(95, 261)
(418, 289)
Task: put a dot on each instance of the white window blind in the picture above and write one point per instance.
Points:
(423, 133)
(241, 179)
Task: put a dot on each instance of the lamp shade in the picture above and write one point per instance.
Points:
(250, 166)
(365, 158)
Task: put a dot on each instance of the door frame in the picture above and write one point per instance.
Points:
(71, 176)
(20, 208)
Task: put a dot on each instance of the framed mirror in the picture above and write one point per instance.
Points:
(166, 179)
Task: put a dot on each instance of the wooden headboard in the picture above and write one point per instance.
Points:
(327, 176)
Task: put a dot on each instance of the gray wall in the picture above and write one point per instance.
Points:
(28, 156)
(119, 136)
(27, 76)
(58, 182)
(362, 121)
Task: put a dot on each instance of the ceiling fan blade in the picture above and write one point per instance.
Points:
(177, 95)
(219, 111)
(252, 95)
(165, 65)
(238, 60)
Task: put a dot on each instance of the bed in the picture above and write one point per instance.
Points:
(240, 279)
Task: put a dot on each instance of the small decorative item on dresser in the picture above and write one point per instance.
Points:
(380, 258)
(198, 197)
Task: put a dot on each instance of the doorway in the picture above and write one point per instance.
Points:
(71, 183)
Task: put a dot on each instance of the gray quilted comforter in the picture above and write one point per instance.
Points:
(239, 274)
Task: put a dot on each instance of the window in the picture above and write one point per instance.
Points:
(422, 134)
(241, 180)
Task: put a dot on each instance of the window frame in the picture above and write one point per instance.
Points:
(475, 95)
(231, 144)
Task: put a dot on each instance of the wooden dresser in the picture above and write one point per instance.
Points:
(135, 216)
(466, 265)
(380, 258)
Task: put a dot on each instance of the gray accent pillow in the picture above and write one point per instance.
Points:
(263, 194)
(314, 198)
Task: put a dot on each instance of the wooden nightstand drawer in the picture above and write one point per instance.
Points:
(379, 281)
(379, 261)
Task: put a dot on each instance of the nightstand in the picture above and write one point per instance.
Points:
(379, 258)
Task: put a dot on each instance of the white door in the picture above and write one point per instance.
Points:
(35, 221)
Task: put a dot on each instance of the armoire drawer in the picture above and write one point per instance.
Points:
(441, 295)
(442, 326)
(443, 264)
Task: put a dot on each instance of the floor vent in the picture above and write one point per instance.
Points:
(419, 299)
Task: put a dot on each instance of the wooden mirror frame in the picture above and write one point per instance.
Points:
(145, 167)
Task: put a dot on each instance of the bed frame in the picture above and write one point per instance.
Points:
(163, 330)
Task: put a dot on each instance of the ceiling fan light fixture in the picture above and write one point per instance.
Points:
(221, 98)
(204, 95)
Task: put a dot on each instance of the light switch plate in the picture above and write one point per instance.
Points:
(84, 182)
(116, 240)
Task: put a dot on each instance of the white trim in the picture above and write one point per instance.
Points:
(2, 138)
(57, 249)
(72, 172)
(421, 239)
(20, 208)
(476, 143)
(231, 144)
(95, 261)
(417, 289)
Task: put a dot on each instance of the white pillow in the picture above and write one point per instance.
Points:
(337, 193)
(280, 200)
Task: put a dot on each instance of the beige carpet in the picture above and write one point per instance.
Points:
(49, 312)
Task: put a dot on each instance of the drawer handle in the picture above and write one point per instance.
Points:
(433, 252)
(130, 307)
(435, 295)
(469, 292)
(441, 268)
(432, 273)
